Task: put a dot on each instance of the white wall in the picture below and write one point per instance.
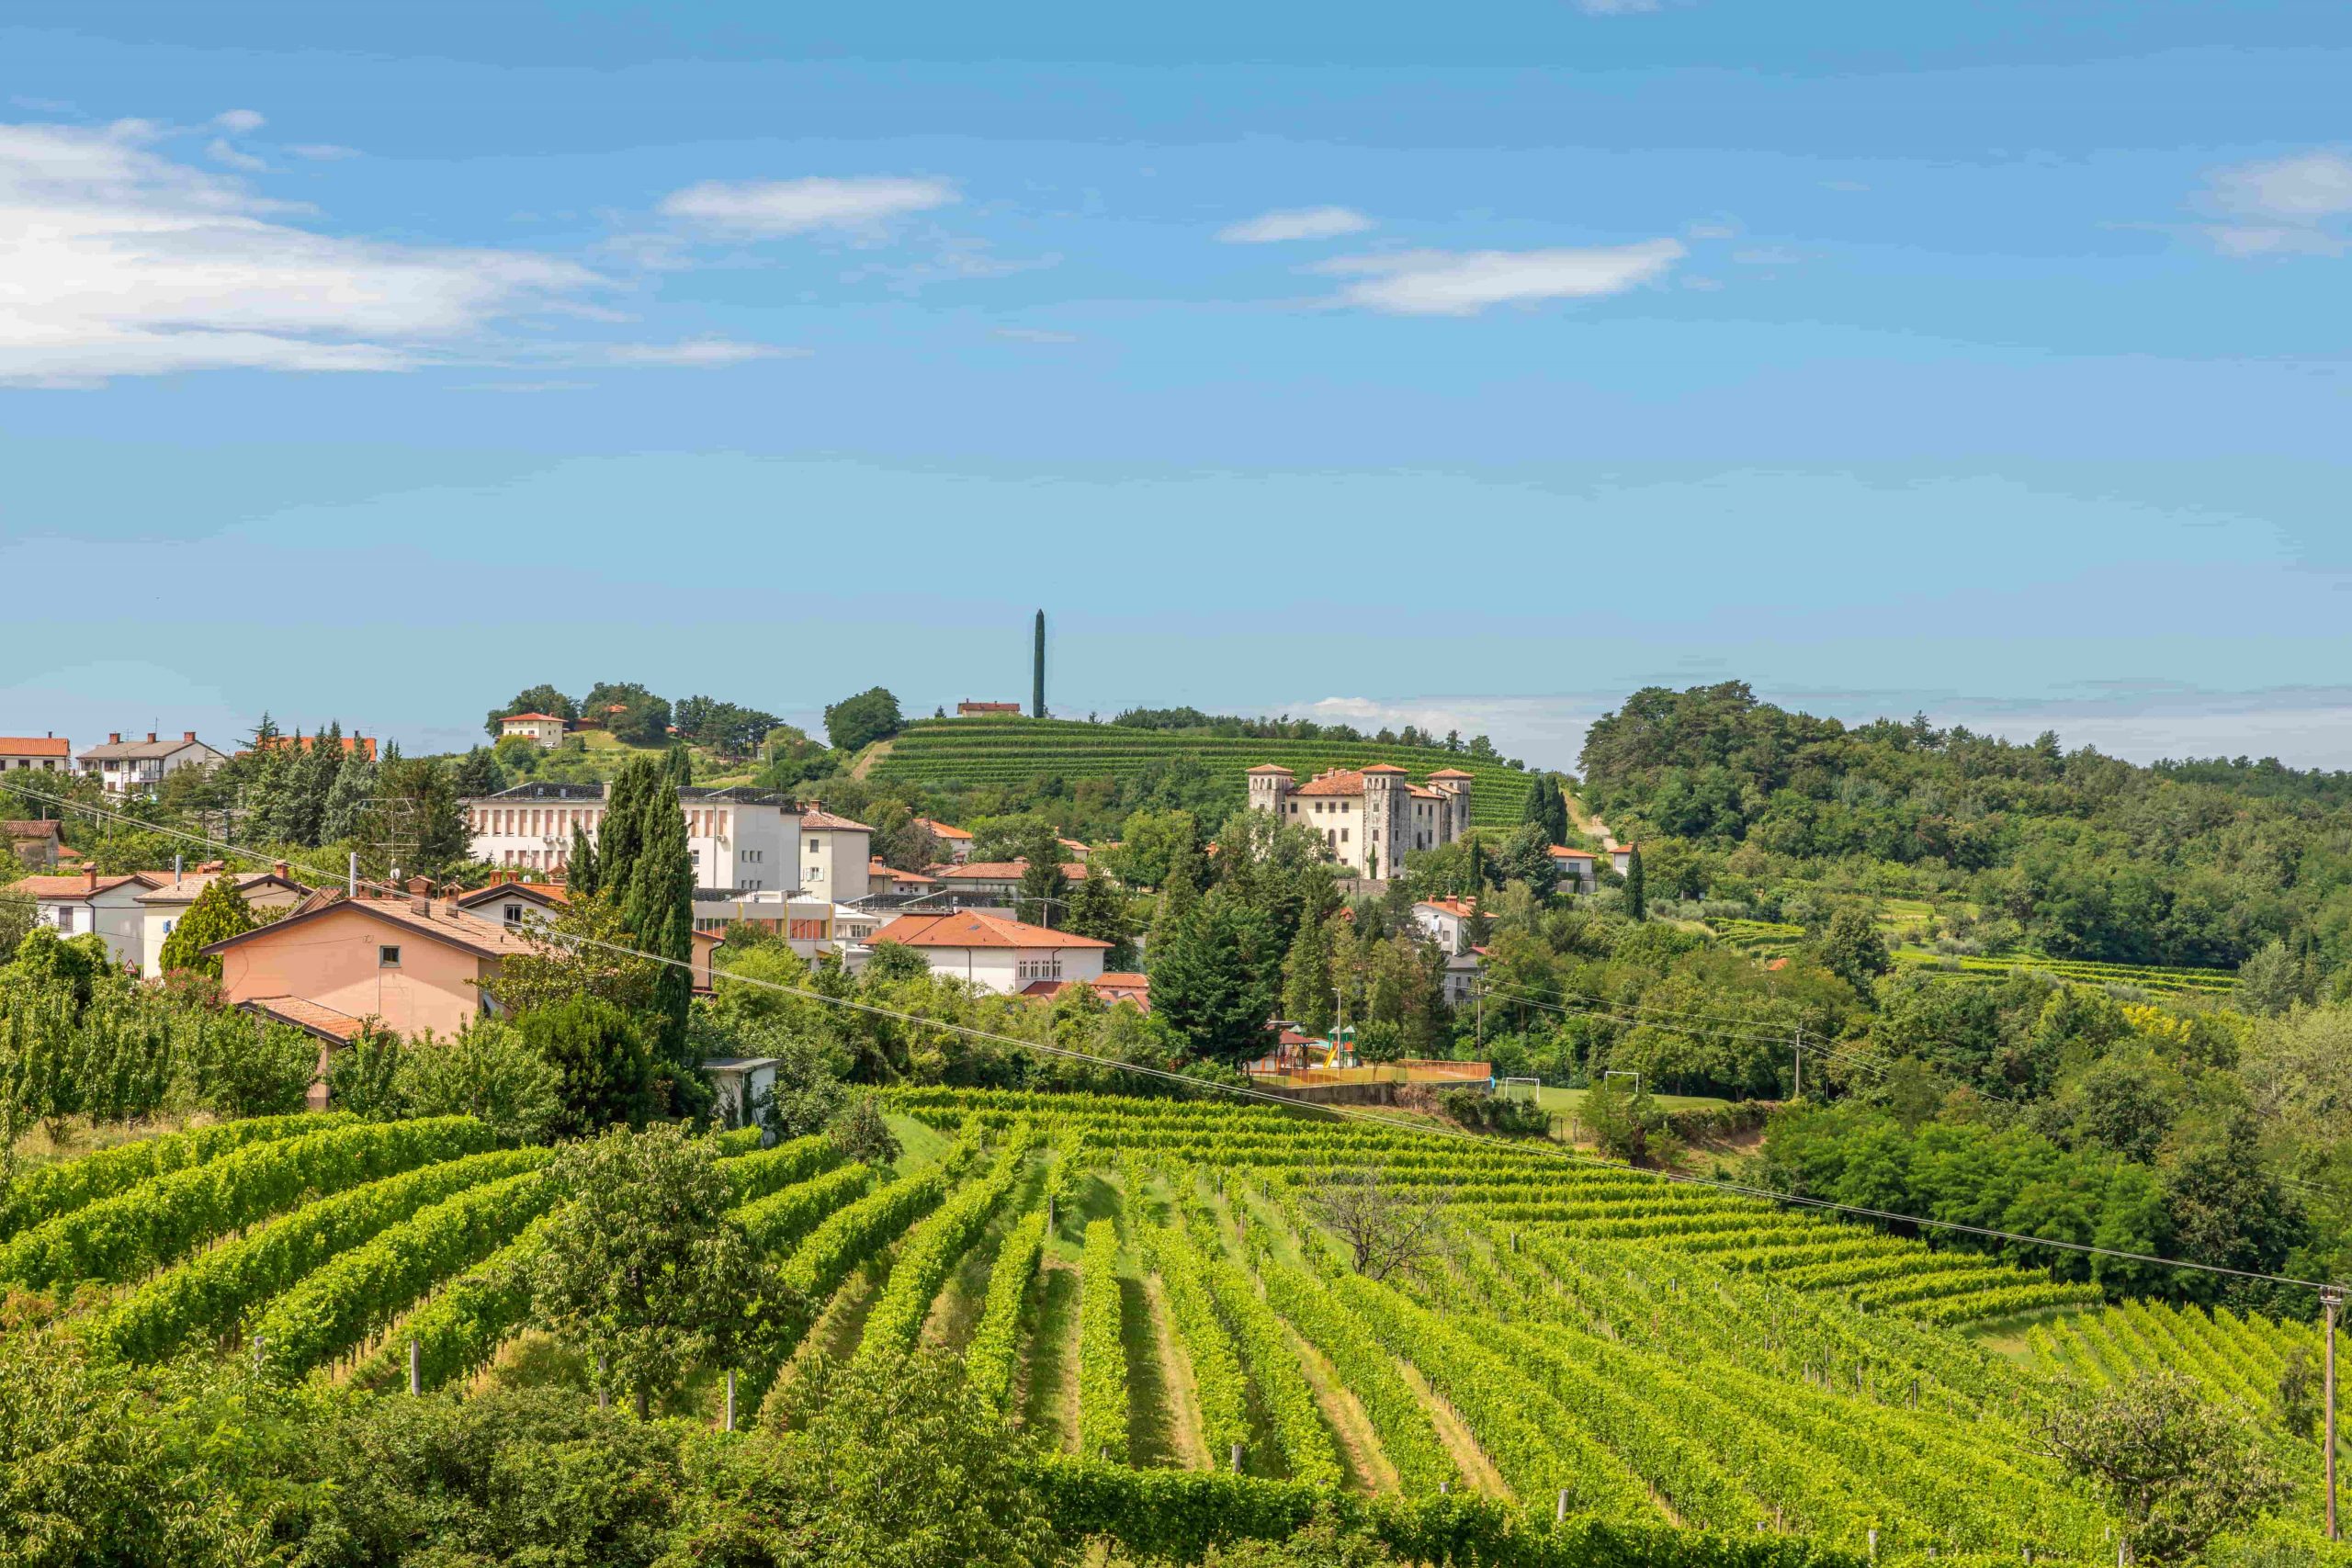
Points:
(113, 914)
(833, 863)
(1002, 969)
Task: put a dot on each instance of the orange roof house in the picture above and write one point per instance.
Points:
(1119, 986)
(994, 954)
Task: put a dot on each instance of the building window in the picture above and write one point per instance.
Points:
(387, 958)
(513, 914)
(1343, 835)
(65, 918)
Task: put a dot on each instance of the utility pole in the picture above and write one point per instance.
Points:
(2331, 1299)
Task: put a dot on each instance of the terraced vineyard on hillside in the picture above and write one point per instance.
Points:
(2146, 977)
(978, 752)
(1150, 1287)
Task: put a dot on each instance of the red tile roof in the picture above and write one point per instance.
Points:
(34, 746)
(1452, 773)
(30, 829)
(538, 892)
(80, 887)
(815, 818)
(1272, 768)
(516, 718)
(940, 829)
(1121, 987)
(471, 933)
(1461, 909)
(1560, 851)
(1338, 781)
(966, 928)
(308, 1016)
(1384, 768)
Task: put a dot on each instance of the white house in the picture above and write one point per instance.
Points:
(1446, 921)
(45, 753)
(834, 852)
(137, 767)
(1621, 858)
(76, 906)
(1369, 818)
(511, 901)
(741, 839)
(267, 892)
(540, 728)
(992, 952)
(1576, 868)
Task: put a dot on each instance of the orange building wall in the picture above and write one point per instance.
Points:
(332, 960)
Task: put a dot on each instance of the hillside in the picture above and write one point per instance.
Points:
(959, 754)
(1645, 1354)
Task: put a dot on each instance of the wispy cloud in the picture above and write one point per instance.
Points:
(1463, 283)
(863, 206)
(221, 151)
(127, 263)
(700, 353)
(239, 122)
(2295, 206)
(1296, 223)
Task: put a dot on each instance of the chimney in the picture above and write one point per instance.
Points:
(419, 895)
(114, 738)
(279, 867)
(151, 737)
(188, 734)
(91, 871)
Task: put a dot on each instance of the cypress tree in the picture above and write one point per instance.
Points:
(354, 781)
(678, 765)
(1534, 811)
(580, 865)
(657, 910)
(1555, 799)
(627, 819)
(1037, 671)
(1636, 895)
(1307, 978)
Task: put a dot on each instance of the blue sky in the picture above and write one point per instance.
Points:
(1472, 367)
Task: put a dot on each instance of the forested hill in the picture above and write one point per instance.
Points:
(2076, 854)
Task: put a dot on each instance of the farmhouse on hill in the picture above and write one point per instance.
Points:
(1369, 818)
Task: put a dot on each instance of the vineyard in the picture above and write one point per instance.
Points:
(962, 753)
(1156, 1289)
(2146, 977)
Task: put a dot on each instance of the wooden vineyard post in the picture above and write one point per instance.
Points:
(1237, 1459)
(730, 1399)
(604, 1394)
(415, 1368)
(2330, 1301)
(1560, 1508)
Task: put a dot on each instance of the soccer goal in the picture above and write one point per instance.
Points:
(1521, 1088)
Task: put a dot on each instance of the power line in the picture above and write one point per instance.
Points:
(1357, 1114)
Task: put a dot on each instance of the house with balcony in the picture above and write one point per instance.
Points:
(138, 767)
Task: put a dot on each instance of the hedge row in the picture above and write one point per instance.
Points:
(1102, 1350)
(933, 1247)
(755, 1175)
(989, 1362)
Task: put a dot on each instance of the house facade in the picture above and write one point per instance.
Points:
(412, 964)
(42, 753)
(997, 881)
(108, 906)
(955, 844)
(138, 767)
(1446, 921)
(1621, 858)
(834, 854)
(746, 840)
(1576, 868)
(992, 952)
(267, 892)
(36, 844)
(1369, 818)
(539, 728)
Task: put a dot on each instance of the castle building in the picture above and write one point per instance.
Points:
(1368, 818)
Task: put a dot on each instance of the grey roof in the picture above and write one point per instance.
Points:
(137, 750)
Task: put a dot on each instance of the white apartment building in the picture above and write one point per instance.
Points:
(137, 767)
(741, 839)
(834, 854)
(1368, 818)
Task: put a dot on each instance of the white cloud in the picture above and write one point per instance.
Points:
(2295, 206)
(864, 205)
(239, 122)
(322, 152)
(1034, 335)
(122, 262)
(700, 353)
(1463, 283)
(1297, 223)
(219, 152)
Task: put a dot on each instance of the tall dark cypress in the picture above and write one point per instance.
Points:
(1558, 802)
(1037, 671)
(580, 865)
(658, 907)
(620, 838)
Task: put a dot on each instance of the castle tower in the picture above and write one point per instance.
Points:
(1455, 784)
(1387, 821)
(1269, 788)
